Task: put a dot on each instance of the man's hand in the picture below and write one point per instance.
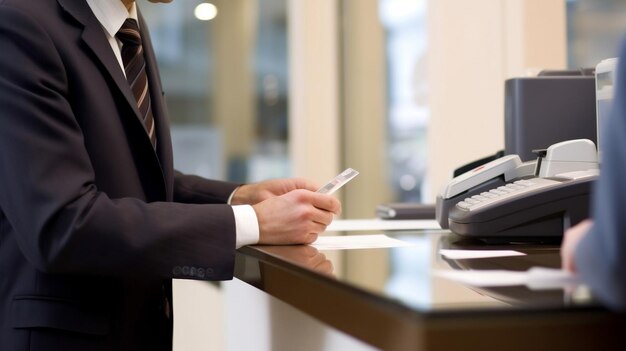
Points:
(571, 238)
(296, 217)
(254, 193)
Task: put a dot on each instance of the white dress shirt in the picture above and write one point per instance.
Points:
(111, 14)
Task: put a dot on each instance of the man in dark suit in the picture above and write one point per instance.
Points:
(94, 221)
(596, 249)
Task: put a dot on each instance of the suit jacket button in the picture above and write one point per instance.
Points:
(177, 270)
(186, 270)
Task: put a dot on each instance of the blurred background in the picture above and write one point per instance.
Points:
(225, 67)
(402, 90)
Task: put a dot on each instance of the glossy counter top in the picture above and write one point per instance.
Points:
(391, 299)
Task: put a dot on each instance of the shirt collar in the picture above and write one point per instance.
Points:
(111, 14)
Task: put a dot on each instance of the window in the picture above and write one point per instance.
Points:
(226, 85)
(407, 111)
(594, 30)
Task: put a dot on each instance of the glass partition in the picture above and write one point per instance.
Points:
(224, 71)
(406, 45)
(595, 29)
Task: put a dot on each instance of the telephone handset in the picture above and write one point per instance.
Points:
(515, 202)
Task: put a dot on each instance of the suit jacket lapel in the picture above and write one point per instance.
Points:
(95, 39)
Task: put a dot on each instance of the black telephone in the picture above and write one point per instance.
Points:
(505, 199)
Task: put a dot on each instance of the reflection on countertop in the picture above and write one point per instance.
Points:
(404, 274)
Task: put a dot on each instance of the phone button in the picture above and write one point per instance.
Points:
(471, 201)
(463, 205)
(488, 195)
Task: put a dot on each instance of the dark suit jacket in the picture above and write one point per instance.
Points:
(93, 221)
(601, 255)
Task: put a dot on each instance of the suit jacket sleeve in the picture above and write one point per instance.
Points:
(601, 255)
(62, 222)
(198, 190)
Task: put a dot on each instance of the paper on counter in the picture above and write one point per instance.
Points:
(536, 278)
(484, 278)
(470, 254)
(540, 278)
(340, 225)
(347, 242)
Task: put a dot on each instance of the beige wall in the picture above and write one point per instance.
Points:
(234, 35)
(314, 89)
(364, 107)
(473, 47)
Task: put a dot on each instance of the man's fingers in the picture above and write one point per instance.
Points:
(327, 203)
(571, 238)
(302, 183)
(322, 217)
(296, 217)
(310, 238)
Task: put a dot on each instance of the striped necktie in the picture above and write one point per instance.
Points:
(135, 68)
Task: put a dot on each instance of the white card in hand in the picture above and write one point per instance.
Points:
(338, 181)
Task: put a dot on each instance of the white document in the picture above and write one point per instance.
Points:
(536, 278)
(347, 242)
(340, 225)
(470, 254)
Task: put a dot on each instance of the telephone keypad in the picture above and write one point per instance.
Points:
(498, 192)
(507, 190)
(471, 201)
(489, 195)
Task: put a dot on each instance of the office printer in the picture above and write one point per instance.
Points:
(549, 108)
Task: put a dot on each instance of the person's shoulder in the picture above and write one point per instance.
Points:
(39, 10)
(45, 14)
(28, 5)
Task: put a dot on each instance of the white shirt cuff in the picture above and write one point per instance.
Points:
(246, 225)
